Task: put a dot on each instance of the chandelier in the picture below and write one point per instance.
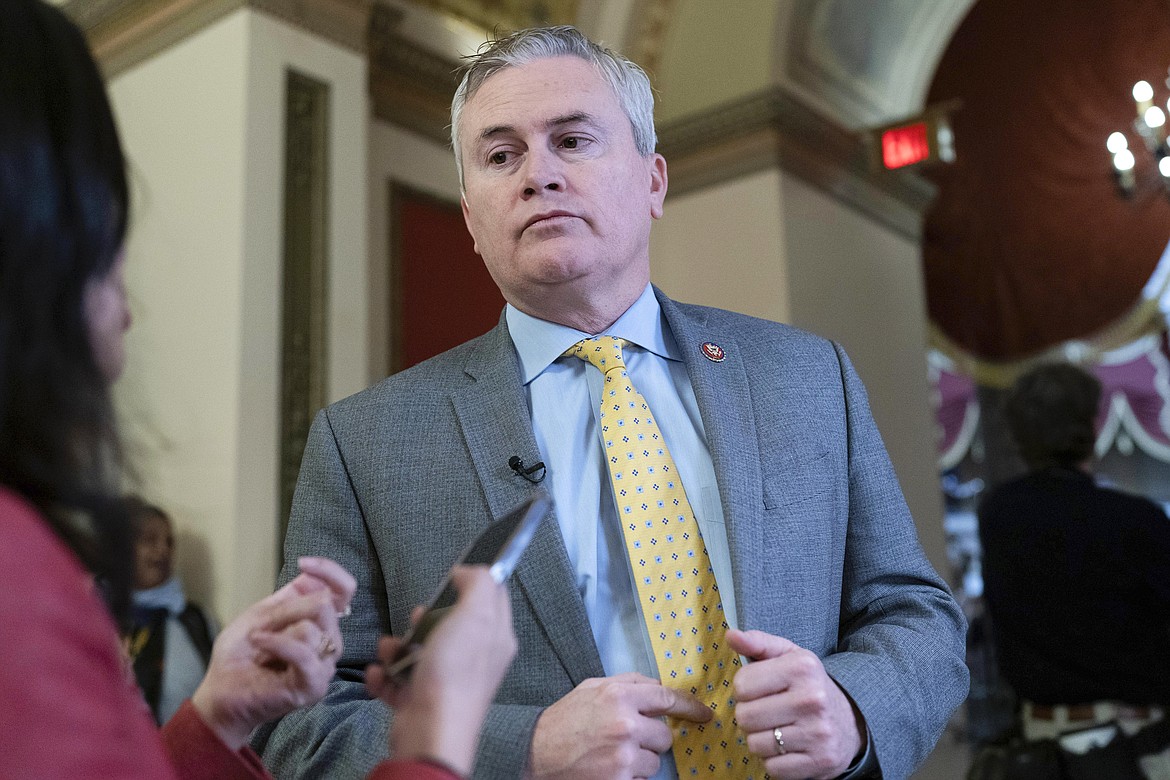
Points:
(1150, 125)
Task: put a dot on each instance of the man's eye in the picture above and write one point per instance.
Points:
(499, 158)
(570, 143)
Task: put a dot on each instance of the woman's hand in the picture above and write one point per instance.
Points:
(280, 654)
(438, 714)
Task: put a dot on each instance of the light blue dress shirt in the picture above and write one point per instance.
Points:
(564, 396)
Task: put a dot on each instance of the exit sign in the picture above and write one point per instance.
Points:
(906, 145)
(918, 140)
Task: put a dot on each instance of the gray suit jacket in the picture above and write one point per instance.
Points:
(398, 478)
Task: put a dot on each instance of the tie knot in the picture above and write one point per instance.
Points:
(604, 352)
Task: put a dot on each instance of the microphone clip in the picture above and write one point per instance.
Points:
(516, 463)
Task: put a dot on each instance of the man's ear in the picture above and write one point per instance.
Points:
(658, 181)
(467, 221)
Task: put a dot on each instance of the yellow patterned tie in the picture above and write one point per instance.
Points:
(676, 585)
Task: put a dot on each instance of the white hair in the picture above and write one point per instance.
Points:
(629, 82)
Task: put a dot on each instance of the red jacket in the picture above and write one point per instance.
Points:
(68, 706)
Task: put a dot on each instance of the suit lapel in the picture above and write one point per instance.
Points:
(725, 404)
(495, 422)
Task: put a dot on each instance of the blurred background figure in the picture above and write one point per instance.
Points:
(1077, 582)
(170, 638)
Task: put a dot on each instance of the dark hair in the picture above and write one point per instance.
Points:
(63, 216)
(1050, 412)
(139, 509)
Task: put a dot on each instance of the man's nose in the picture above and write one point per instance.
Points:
(543, 170)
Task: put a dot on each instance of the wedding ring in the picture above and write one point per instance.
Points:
(327, 647)
(778, 735)
(346, 612)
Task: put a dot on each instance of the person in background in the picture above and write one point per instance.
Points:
(69, 707)
(1076, 576)
(170, 638)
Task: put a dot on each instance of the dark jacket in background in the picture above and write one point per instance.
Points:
(1077, 583)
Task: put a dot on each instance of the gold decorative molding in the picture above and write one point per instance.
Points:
(123, 33)
(772, 129)
(344, 22)
(409, 85)
(304, 351)
(649, 24)
(507, 15)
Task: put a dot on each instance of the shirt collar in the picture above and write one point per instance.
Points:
(540, 342)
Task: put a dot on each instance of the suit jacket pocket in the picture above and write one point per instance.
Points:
(788, 482)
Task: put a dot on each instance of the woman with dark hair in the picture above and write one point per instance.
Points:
(63, 213)
(68, 703)
(1076, 580)
(69, 708)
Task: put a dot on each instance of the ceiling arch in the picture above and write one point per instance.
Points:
(864, 64)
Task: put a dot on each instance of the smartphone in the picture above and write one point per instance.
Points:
(499, 547)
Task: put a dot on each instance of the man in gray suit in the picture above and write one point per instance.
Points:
(855, 647)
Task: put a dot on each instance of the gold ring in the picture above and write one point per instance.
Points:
(327, 647)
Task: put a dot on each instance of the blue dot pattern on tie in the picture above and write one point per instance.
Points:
(672, 572)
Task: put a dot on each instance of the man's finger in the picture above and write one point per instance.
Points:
(758, 645)
(676, 704)
(625, 677)
(632, 677)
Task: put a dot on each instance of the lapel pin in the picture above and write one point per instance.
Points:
(712, 351)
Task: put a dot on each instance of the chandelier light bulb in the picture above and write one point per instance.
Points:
(1150, 124)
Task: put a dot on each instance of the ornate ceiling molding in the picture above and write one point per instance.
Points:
(413, 75)
(649, 24)
(868, 63)
(410, 85)
(772, 129)
(123, 33)
(506, 15)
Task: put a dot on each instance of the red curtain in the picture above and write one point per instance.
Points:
(1028, 243)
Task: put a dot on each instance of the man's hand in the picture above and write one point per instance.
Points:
(787, 687)
(609, 727)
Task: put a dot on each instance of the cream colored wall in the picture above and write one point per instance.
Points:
(397, 156)
(724, 246)
(773, 246)
(202, 123)
(182, 116)
(714, 53)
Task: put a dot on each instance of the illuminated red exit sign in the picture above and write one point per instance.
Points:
(906, 145)
(915, 141)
